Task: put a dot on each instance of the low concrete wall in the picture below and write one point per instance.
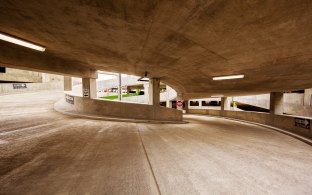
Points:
(280, 121)
(16, 75)
(7, 88)
(105, 108)
(262, 100)
(298, 110)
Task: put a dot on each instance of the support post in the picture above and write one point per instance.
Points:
(276, 103)
(307, 101)
(225, 105)
(119, 87)
(169, 104)
(186, 108)
(200, 104)
(67, 83)
(89, 88)
(154, 91)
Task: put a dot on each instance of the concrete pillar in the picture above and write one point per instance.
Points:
(200, 104)
(307, 97)
(68, 83)
(119, 87)
(154, 91)
(169, 104)
(225, 103)
(89, 88)
(186, 106)
(276, 103)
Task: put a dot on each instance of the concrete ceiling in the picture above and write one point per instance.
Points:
(185, 43)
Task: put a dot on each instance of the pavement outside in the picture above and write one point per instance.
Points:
(44, 152)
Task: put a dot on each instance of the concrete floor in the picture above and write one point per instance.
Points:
(44, 152)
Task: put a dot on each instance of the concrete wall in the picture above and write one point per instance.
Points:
(15, 75)
(7, 88)
(293, 98)
(280, 121)
(262, 100)
(298, 110)
(97, 107)
(298, 103)
(308, 97)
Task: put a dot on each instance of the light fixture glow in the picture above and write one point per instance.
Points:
(21, 42)
(240, 76)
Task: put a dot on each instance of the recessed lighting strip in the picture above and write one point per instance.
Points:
(240, 76)
(21, 42)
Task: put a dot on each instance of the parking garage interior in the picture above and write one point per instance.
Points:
(155, 97)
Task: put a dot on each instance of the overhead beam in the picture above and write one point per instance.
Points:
(23, 58)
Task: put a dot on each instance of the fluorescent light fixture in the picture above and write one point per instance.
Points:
(240, 76)
(143, 79)
(21, 42)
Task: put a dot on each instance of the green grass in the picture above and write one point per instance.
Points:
(113, 97)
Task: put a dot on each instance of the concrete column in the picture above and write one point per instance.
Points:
(276, 102)
(307, 97)
(154, 91)
(67, 83)
(225, 103)
(169, 104)
(89, 88)
(186, 106)
(119, 87)
(200, 104)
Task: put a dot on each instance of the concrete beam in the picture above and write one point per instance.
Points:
(13, 56)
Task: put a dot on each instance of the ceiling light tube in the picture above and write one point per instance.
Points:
(240, 76)
(21, 42)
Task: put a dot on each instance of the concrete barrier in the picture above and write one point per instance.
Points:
(8, 88)
(97, 107)
(285, 122)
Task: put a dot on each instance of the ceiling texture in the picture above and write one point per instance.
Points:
(183, 42)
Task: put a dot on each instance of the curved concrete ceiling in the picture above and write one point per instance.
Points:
(185, 43)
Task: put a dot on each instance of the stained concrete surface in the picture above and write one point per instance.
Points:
(44, 152)
(185, 43)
